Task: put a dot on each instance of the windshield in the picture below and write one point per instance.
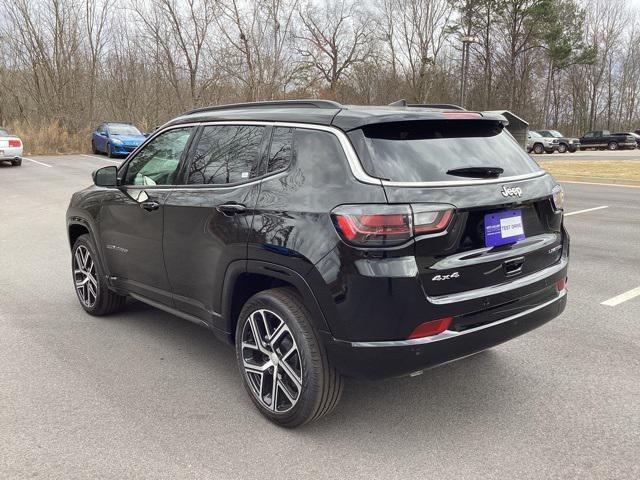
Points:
(4, 133)
(535, 135)
(556, 133)
(424, 151)
(123, 130)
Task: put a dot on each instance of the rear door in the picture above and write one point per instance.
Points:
(438, 164)
(209, 215)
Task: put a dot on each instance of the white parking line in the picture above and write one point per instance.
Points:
(36, 161)
(623, 297)
(586, 210)
(102, 158)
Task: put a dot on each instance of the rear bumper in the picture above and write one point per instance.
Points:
(10, 153)
(383, 359)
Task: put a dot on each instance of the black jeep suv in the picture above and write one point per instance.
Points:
(326, 241)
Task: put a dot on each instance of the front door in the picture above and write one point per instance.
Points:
(132, 217)
(589, 139)
(208, 216)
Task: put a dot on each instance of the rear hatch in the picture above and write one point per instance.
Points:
(477, 169)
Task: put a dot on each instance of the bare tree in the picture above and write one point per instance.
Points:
(180, 28)
(257, 50)
(333, 38)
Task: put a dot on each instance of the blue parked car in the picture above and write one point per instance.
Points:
(116, 139)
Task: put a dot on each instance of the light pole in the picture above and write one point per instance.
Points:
(466, 41)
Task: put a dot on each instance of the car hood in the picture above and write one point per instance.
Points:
(130, 139)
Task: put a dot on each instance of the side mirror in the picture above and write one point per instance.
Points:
(106, 176)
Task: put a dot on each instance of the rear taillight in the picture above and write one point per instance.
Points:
(430, 328)
(427, 220)
(561, 284)
(557, 195)
(15, 143)
(388, 225)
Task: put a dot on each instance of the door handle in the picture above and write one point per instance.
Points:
(230, 209)
(150, 205)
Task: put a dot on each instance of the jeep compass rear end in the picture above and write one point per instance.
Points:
(325, 241)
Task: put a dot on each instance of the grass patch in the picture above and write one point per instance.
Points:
(50, 138)
(619, 171)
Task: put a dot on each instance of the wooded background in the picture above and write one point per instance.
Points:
(67, 65)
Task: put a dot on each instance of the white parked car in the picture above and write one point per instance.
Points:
(10, 148)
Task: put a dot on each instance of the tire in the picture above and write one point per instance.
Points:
(573, 149)
(612, 146)
(16, 162)
(94, 296)
(562, 148)
(313, 387)
(94, 150)
(549, 151)
(538, 148)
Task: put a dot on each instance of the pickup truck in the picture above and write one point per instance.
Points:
(601, 139)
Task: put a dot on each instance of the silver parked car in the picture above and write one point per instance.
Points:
(536, 143)
(565, 144)
(10, 148)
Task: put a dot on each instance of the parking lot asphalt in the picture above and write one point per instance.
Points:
(143, 394)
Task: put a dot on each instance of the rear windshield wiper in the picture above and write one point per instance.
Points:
(476, 172)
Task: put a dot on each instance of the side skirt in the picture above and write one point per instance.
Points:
(217, 332)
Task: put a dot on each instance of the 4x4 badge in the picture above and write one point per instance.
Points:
(439, 278)
(511, 191)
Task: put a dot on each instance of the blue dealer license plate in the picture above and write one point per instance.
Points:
(502, 228)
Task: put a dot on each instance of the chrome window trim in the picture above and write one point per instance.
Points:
(504, 287)
(203, 186)
(352, 157)
(463, 183)
(447, 334)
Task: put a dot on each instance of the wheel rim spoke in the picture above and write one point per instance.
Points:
(274, 390)
(271, 361)
(285, 390)
(292, 375)
(255, 332)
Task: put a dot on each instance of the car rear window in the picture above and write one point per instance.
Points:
(424, 151)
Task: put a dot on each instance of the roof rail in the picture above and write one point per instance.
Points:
(271, 103)
(437, 105)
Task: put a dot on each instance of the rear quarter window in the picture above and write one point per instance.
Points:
(424, 151)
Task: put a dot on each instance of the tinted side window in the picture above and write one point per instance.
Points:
(226, 154)
(281, 149)
(157, 162)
